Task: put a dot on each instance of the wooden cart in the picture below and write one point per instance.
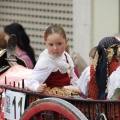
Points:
(51, 107)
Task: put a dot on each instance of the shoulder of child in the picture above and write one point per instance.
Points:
(70, 59)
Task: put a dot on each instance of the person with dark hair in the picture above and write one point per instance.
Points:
(23, 48)
(3, 44)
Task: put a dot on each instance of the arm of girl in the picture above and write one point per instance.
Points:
(41, 88)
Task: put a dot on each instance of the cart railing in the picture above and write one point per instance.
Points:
(92, 109)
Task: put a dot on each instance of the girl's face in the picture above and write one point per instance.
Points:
(56, 44)
(7, 37)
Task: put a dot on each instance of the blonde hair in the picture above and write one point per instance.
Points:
(118, 52)
(92, 52)
(54, 29)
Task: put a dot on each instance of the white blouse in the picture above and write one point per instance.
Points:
(113, 82)
(84, 80)
(47, 64)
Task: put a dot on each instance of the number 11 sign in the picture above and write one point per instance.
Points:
(14, 105)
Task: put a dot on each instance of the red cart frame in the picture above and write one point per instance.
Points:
(92, 109)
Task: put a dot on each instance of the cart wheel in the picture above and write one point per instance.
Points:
(57, 107)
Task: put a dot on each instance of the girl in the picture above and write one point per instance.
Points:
(55, 67)
(23, 48)
(105, 62)
(84, 79)
(3, 43)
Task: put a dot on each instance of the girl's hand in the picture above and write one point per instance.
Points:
(41, 88)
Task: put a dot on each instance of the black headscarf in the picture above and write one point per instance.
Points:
(102, 63)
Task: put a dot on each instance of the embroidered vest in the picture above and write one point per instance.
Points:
(57, 79)
(93, 90)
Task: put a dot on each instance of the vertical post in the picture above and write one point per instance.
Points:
(82, 27)
(23, 83)
(5, 80)
(14, 84)
(18, 85)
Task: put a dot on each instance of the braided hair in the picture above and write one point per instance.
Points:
(106, 50)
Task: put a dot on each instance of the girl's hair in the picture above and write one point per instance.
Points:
(3, 43)
(118, 52)
(92, 52)
(23, 41)
(54, 29)
(67, 49)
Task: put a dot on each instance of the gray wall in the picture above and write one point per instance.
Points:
(85, 21)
